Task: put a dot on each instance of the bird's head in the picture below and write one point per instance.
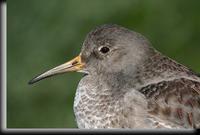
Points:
(107, 49)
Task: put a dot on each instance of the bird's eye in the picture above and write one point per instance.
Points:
(104, 49)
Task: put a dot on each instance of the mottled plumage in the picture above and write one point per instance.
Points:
(161, 93)
(129, 84)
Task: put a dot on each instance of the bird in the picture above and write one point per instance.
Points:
(128, 84)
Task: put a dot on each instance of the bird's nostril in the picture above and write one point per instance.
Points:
(74, 62)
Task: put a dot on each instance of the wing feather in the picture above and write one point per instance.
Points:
(176, 101)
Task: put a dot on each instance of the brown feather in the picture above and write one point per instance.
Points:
(181, 95)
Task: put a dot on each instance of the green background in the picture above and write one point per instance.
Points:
(45, 33)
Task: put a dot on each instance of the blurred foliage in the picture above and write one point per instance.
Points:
(45, 33)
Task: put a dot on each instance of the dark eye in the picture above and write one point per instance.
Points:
(104, 49)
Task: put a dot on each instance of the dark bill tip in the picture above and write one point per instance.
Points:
(34, 80)
(31, 82)
(73, 65)
(41, 77)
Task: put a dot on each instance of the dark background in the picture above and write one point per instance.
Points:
(45, 33)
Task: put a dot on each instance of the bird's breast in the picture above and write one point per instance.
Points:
(98, 107)
(94, 106)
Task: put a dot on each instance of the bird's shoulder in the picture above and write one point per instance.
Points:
(175, 101)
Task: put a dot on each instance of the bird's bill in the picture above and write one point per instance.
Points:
(73, 65)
